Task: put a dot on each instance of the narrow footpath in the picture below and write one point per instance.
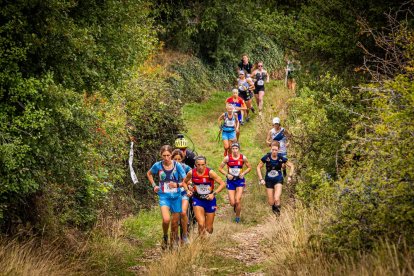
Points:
(233, 249)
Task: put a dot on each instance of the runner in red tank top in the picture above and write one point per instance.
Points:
(204, 196)
(235, 176)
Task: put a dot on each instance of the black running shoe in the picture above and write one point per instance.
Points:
(252, 109)
(164, 243)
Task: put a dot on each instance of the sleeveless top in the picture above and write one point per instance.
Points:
(167, 176)
(260, 78)
(242, 85)
(203, 184)
(229, 124)
(280, 137)
(235, 166)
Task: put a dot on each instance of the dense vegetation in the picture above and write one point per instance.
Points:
(79, 80)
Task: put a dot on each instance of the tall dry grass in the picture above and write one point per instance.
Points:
(29, 259)
(286, 242)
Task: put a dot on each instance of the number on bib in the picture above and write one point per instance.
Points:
(234, 171)
(167, 188)
(203, 189)
(260, 82)
(272, 173)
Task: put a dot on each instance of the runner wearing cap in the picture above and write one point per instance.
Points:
(280, 134)
(188, 156)
(235, 176)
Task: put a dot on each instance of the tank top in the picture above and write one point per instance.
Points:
(203, 184)
(260, 78)
(167, 176)
(229, 124)
(235, 166)
(280, 137)
(242, 85)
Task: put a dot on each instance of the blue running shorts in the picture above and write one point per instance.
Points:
(233, 184)
(209, 206)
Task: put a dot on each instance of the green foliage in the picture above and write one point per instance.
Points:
(319, 120)
(219, 31)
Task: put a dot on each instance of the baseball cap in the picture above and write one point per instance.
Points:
(276, 120)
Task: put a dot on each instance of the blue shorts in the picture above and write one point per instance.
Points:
(228, 135)
(183, 194)
(174, 203)
(209, 206)
(233, 184)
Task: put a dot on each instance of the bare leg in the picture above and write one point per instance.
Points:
(174, 227)
(260, 100)
(184, 218)
(209, 222)
(278, 193)
(165, 213)
(270, 196)
(239, 193)
(201, 219)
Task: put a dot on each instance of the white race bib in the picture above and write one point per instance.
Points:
(272, 173)
(242, 88)
(203, 189)
(167, 188)
(234, 171)
(230, 123)
(260, 82)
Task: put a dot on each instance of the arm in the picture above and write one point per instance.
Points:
(220, 118)
(259, 172)
(268, 77)
(291, 170)
(237, 126)
(151, 180)
(220, 181)
(186, 180)
(224, 163)
(251, 84)
(249, 167)
(269, 138)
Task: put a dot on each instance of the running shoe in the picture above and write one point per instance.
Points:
(237, 220)
(186, 240)
(260, 113)
(242, 123)
(252, 109)
(247, 119)
(164, 243)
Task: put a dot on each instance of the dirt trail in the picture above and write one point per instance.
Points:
(243, 244)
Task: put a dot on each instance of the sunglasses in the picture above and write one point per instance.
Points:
(260, 66)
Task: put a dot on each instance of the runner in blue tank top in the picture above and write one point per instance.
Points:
(229, 125)
(170, 175)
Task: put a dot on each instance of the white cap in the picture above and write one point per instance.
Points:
(276, 120)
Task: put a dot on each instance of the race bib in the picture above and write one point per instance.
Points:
(260, 82)
(230, 123)
(203, 189)
(242, 88)
(167, 188)
(234, 171)
(272, 173)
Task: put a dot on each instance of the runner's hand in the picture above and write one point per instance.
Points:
(189, 193)
(210, 196)
(289, 180)
(229, 176)
(156, 189)
(241, 175)
(262, 182)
